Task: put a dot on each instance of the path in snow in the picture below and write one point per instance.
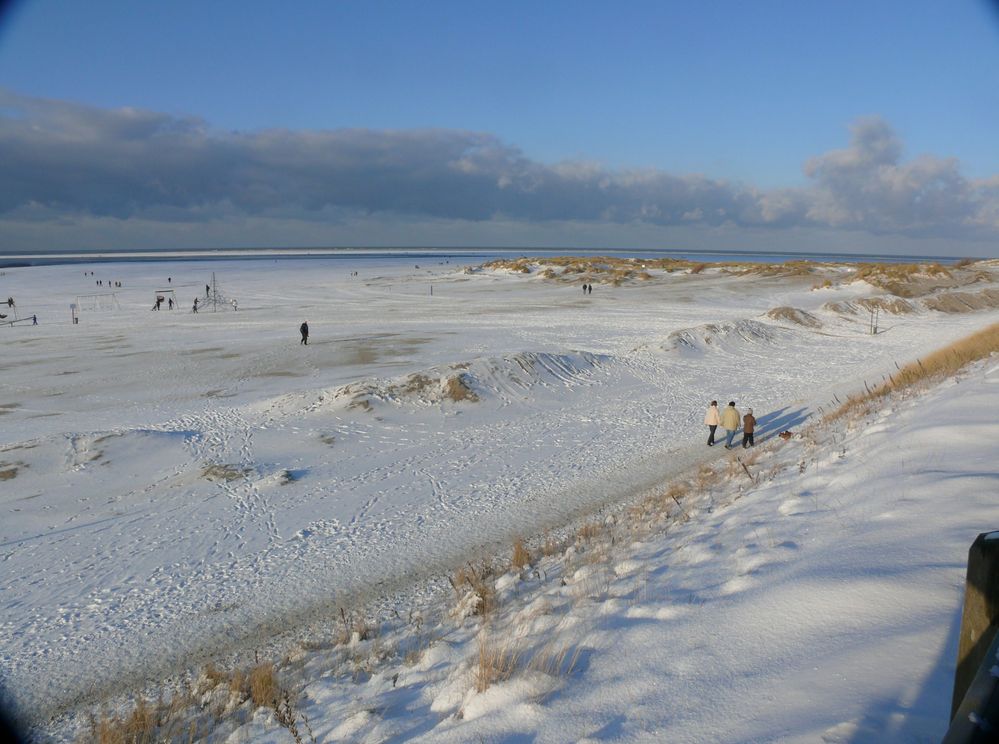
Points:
(190, 482)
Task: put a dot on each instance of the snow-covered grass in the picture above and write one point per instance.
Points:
(359, 485)
(941, 363)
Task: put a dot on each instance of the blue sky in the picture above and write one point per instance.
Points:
(742, 94)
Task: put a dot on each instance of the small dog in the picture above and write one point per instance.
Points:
(785, 435)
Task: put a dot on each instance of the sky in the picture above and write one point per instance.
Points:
(853, 126)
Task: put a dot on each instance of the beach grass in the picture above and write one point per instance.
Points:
(936, 366)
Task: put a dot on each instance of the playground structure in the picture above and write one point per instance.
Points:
(215, 297)
(11, 307)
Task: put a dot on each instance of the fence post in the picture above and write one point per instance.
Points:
(980, 614)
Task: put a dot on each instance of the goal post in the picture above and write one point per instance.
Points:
(97, 302)
(164, 299)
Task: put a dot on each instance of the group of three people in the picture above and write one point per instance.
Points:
(729, 420)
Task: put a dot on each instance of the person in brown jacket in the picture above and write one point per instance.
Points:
(748, 427)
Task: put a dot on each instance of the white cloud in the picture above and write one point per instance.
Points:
(73, 161)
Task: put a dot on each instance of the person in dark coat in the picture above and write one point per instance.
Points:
(748, 427)
(304, 329)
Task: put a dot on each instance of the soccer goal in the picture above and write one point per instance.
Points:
(100, 301)
(164, 299)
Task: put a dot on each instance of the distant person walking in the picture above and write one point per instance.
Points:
(195, 304)
(206, 290)
(748, 427)
(304, 330)
(170, 303)
(712, 418)
(730, 420)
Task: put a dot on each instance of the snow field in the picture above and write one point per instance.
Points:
(187, 484)
(819, 601)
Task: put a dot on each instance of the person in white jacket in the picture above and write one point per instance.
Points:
(712, 419)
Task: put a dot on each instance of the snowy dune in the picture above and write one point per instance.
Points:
(178, 482)
(818, 602)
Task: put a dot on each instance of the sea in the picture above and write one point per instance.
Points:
(444, 255)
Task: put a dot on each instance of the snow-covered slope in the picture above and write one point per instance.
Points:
(815, 598)
(178, 484)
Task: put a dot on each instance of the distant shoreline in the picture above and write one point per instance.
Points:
(29, 259)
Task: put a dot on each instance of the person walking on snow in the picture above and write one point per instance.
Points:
(748, 427)
(712, 419)
(304, 328)
(730, 420)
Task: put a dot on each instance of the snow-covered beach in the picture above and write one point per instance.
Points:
(179, 483)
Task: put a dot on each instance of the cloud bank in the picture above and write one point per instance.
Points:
(65, 161)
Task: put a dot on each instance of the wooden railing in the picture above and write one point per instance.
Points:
(975, 704)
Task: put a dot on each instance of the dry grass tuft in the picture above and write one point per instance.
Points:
(556, 661)
(264, 688)
(139, 727)
(353, 627)
(936, 366)
(287, 716)
(843, 308)
(521, 556)
(904, 280)
(794, 315)
(499, 661)
(787, 268)
(964, 302)
(551, 546)
(676, 492)
(588, 531)
(213, 676)
(706, 476)
(893, 305)
(496, 663)
(147, 723)
(479, 582)
(457, 388)
(415, 383)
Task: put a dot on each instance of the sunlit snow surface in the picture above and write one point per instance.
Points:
(183, 481)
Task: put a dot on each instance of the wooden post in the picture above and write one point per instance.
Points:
(980, 615)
